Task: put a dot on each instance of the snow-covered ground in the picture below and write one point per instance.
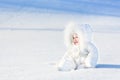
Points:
(31, 55)
(32, 42)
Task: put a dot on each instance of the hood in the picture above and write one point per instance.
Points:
(84, 32)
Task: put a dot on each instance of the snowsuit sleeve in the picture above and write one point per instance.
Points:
(67, 62)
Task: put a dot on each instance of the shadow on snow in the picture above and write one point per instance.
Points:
(115, 66)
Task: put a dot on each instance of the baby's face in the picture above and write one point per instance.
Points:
(75, 39)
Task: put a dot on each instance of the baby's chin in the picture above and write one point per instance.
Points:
(76, 44)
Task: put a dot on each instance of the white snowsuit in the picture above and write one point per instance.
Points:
(84, 55)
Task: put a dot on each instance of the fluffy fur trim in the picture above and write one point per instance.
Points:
(84, 32)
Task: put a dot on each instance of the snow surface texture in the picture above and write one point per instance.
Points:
(32, 42)
(31, 55)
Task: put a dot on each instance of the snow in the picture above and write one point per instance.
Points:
(32, 42)
(31, 55)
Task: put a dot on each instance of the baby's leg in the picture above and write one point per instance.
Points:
(91, 60)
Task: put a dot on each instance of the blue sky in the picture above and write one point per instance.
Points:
(98, 7)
